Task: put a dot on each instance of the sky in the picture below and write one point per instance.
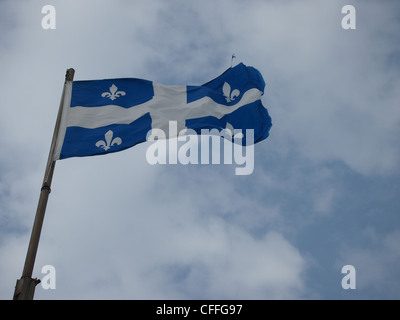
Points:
(324, 192)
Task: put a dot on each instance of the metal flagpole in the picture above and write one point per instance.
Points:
(25, 287)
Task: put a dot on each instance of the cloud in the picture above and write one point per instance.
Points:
(117, 227)
(158, 240)
(330, 91)
(376, 265)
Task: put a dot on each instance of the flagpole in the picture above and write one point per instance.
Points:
(25, 287)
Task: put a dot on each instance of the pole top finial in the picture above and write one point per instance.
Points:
(69, 76)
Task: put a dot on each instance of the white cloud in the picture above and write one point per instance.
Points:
(116, 227)
(329, 90)
(376, 266)
(123, 239)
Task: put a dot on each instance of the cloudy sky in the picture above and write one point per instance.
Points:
(325, 188)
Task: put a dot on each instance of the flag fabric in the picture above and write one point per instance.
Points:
(111, 115)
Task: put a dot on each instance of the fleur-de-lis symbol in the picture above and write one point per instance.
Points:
(109, 141)
(230, 130)
(229, 96)
(113, 94)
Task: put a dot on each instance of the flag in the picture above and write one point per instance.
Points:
(111, 115)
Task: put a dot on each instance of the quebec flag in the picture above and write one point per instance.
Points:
(111, 115)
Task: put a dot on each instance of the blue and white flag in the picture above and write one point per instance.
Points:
(111, 115)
